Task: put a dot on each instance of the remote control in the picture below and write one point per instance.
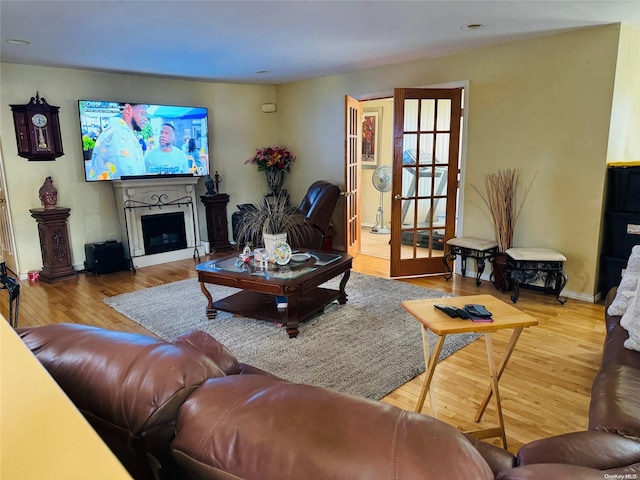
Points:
(451, 311)
(476, 310)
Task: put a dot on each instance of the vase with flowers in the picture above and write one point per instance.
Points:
(275, 162)
(501, 199)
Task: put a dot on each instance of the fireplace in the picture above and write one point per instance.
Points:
(158, 219)
(163, 232)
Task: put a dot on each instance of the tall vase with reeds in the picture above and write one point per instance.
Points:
(501, 199)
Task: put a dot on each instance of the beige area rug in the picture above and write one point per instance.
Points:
(368, 347)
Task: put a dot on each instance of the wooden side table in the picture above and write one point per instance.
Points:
(504, 316)
(54, 244)
(217, 225)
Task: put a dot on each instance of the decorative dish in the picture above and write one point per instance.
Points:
(300, 257)
(282, 253)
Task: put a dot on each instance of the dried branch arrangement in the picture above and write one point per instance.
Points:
(501, 199)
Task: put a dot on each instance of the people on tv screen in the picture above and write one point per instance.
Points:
(166, 159)
(118, 151)
(134, 140)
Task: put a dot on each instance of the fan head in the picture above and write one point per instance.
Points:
(382, 178)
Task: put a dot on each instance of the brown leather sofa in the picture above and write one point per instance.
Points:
(129, 386)
(613, 438)
(189, 409)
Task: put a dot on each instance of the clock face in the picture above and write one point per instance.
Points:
(39, 120)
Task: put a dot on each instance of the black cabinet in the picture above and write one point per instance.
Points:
(621, 228)
(217, 224)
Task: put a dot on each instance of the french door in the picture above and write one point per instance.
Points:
(426, 145)
(353, 148)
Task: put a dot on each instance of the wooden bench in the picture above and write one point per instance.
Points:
(469, 247)
(527, 265)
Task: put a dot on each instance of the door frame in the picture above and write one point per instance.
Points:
(8, 251)
(464, 84)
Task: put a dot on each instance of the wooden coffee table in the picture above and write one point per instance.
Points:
(504, 316)
(299, 282)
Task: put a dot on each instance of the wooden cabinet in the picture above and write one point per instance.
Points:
(54, 244)
(217, 225)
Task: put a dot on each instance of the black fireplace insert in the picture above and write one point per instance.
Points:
(163, 232)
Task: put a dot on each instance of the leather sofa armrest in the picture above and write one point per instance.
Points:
(594, 449)
(212, 348)
(551, 471)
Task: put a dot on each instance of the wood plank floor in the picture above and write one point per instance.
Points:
(545, 389)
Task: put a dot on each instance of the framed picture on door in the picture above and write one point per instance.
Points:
(371, 118)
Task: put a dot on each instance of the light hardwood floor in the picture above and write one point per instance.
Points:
(545, 389)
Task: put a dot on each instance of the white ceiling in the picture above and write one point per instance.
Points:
(230, 41)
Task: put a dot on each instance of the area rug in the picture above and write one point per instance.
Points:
(368, 347)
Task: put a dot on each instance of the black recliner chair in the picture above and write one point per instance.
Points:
(317, 206)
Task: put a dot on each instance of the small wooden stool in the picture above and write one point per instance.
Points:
(476, 248)
(525, 265)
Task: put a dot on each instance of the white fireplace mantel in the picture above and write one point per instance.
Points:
(154, 196)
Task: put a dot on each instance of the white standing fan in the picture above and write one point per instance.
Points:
(382, 181)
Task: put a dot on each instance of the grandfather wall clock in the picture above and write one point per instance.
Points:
(37, 130)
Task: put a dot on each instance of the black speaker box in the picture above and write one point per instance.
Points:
(105, 257)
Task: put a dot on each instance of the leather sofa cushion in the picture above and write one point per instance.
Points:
(261, 428)
(219, 353)
(205, 343)
(600, 450)
(614, 401)
(133, 379)
(129, 386)
(551, 471)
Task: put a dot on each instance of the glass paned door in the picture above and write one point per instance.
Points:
(425, 178)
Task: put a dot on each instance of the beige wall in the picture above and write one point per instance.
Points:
(236, 128)
(542, 105)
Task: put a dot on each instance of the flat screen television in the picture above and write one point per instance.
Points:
(123, 140)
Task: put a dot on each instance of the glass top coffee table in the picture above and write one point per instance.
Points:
(298, 281)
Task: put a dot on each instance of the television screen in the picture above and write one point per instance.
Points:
(125, 140)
